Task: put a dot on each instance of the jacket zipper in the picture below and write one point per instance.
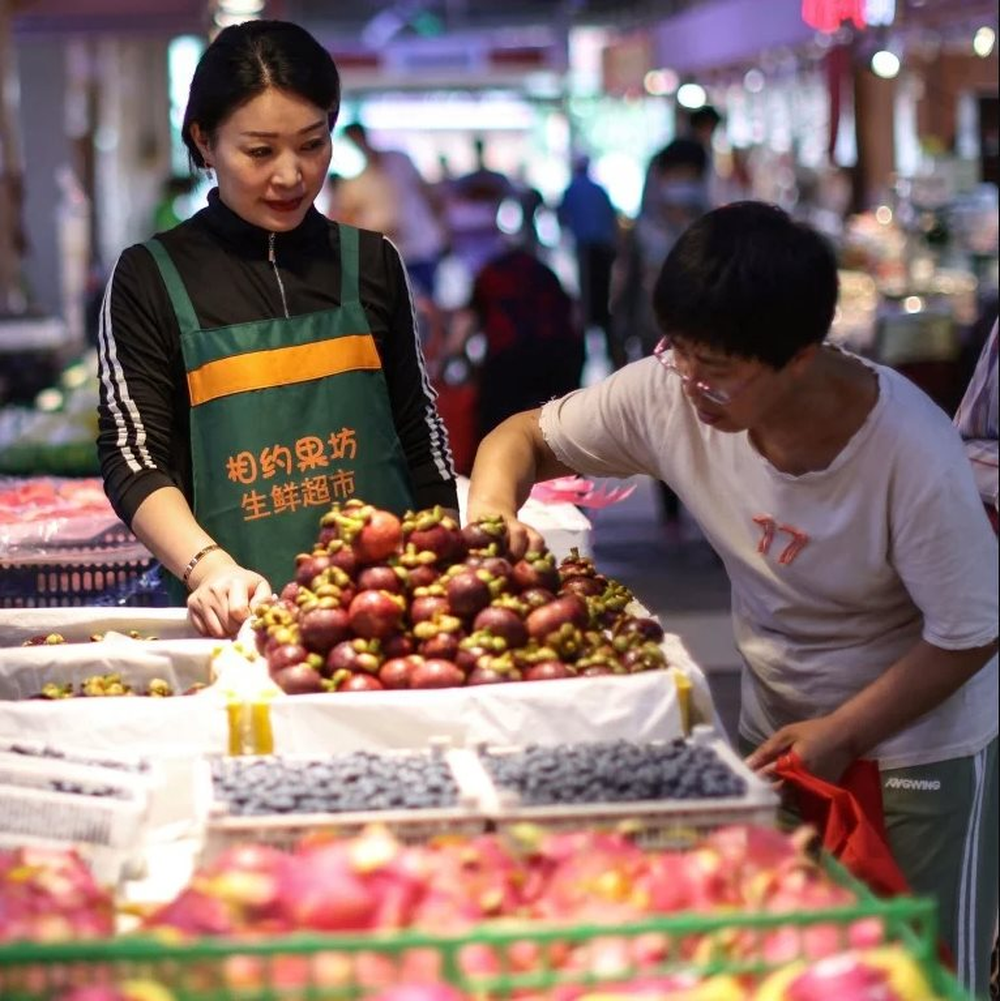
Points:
(277, 273)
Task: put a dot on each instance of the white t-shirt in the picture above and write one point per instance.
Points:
(418, 232)
(835, 574)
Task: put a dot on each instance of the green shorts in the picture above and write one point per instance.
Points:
(941, 821)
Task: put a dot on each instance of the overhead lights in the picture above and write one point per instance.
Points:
(753, 81)
(230, 12)
(983, 41)
(691, 95)
(660, 83)
(885, 64)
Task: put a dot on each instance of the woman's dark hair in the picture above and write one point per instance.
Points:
(246, 59)
(748, 280)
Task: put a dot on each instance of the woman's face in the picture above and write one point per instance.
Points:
(270, 158)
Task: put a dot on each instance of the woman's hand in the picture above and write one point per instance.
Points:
(223, 594)
(820, 743)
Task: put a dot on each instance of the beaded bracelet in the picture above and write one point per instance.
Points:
(196, 559)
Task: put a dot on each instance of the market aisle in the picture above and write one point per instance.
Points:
(679, 579)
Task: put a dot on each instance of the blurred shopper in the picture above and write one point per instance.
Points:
(259, 361)
(473, 201)
(587, 213)
(674, 196)
(701, 124)
(534, 347)
(838, 496)
(399, 201)
(976, 420)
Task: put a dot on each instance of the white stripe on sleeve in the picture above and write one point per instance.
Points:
(131, 438)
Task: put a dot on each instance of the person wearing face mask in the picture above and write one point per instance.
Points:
(674, 195)
(259, 361)
(839, 498)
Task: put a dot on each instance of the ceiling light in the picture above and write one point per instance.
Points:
(660, 83)
(885, 64)
(691, 95)
(753, 81)
(248, 8)
(983, 41)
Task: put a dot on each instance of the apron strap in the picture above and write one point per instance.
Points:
(349, 288)
(186, 316)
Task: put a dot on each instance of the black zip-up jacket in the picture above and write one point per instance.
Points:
(144, 412)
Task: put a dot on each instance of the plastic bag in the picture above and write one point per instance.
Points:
(849, 818)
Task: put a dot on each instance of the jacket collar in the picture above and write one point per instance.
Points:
(253, 240)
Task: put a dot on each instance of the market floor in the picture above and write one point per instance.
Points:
(676, 575)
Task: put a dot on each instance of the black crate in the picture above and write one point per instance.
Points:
(110, 569)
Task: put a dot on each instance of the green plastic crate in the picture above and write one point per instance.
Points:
(334, 967)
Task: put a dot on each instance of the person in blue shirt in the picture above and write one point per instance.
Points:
(587, 213)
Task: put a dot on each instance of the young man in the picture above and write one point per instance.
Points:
(863, 568)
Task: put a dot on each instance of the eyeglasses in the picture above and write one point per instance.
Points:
(663, 352)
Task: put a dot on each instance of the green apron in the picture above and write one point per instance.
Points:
(288, 415)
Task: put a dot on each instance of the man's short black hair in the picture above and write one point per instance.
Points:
(748, 280)
(682, 153)
(705, 115)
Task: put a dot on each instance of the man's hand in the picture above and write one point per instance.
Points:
(524, 539)
(820, 743)
(223, 596)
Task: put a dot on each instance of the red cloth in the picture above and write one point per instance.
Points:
(849, 818)
(851, 823)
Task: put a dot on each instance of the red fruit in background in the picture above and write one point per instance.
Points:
(488, 533)
(396, 673)
(361, 683)
(354, 656)
(320, 891)
(379, 578)
(425, 606)
(280, 657)
(442, 537)
(298, 679)
(467, 594)
(310, 565)
(535, 597)
(379, 538)
(290, 591)
(420, 992)
(536, 570)
(399, 645)
(645, 656)
(422, 575)
(436, 673)
(498, 566)
(486, 676)
(196, 913)
(375, 614)
(635, 625)
(323, 628)
(344, 558)
(443, 646)
(586, 587)
(547, 670)
(504, 623)
(548, 618)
